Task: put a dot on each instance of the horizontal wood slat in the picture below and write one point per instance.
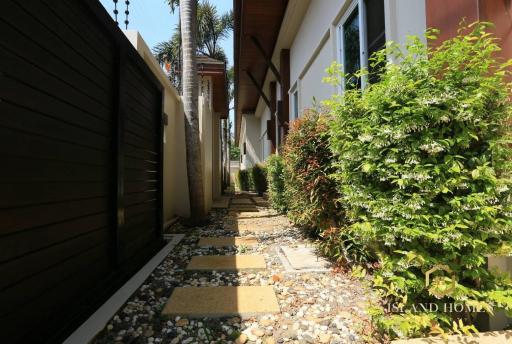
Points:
(80, 143)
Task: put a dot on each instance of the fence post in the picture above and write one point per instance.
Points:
(119, 151)
(163, 121)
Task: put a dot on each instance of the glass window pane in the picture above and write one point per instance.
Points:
(296, 105)
(351, 51)
(375, 33)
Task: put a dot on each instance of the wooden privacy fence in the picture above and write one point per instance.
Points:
(81, 165)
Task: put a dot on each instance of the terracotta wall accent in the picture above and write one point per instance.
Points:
(446, 16)
(500, 13)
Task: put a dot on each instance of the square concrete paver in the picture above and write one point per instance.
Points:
(248, 214)
(243, 201)
(217, 302)
(228, 241)
(221, 203)
(302, 258)
(243, 208)
(255, 227)
(227, 263)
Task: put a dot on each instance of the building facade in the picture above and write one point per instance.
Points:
(282, 49)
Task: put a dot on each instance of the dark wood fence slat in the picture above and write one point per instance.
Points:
(22, 144)
(37, 100)
(22, 69)
(28, 50)
(17, 270)
(58, 28)
(81, 147)
(28, 171)
(24, 242)
(30, 25)
(30, 194)
(16, 117)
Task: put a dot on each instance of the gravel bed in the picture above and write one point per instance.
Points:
(315, 307)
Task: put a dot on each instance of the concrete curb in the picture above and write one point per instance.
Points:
(96, 322)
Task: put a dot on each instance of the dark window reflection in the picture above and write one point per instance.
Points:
(351, 57)
(375, 28)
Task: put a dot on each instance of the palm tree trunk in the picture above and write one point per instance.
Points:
(188, 10)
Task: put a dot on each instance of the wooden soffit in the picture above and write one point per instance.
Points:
(216, 69)
(259, 19)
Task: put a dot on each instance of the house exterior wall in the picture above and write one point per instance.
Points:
(311, 87)
(313, 48)
(404, 18)
(249, 137)
(446, 16)
(309, 61)
(265, 143)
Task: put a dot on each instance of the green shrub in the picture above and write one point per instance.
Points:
(234, 152)
(311, 192)
(275, 178)
(422, 166)
(243, 179)
(259, 178)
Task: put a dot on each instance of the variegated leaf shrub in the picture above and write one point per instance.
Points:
(422, 167)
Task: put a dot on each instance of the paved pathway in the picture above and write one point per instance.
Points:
(228, 283)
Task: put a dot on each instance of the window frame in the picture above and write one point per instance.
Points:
(295, 97)
(294, 102)
(363, 45)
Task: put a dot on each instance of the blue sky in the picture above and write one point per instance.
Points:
(154, 21)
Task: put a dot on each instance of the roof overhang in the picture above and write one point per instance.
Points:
(216, 69)
(260, 20)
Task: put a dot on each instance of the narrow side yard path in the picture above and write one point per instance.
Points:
(248, 277)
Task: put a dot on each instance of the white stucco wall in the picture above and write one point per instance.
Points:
(311, 85)
(250, 136)
(313, 50)
(403, 18)
(315, 46)
(265, 144)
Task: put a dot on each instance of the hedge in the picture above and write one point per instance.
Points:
(411, 176)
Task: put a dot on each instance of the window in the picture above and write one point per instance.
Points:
(295, 101)
(352, 49)
(361, 33)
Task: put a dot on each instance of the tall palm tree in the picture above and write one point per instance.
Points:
(188, 14)
(212, 28)
(169, 52)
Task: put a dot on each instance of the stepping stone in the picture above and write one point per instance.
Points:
(247, 214)
(218, 302)
(243, 208)
(243, 201)
(302, 258)
(255, 227)
(227, 263)
(221, 203)
(228, 241)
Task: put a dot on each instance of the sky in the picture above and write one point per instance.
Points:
(155, 22)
